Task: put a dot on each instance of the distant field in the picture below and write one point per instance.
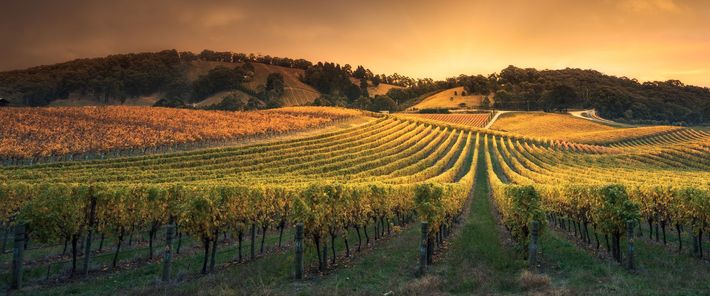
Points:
(569, 128)
(53, 131)
(474, 120)
(447, 99)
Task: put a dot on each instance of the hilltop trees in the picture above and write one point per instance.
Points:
(475, 85)
(112, 77)
(360, 72)
(383, 103)
(116, 78)
(221, 79)
(559, 98)
(618, 98)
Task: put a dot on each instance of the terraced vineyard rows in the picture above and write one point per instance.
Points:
(33, 133)
(350, 178)
(391, 168)
(473, 120)
(670, 186)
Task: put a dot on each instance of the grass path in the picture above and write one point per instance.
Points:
(477, 260)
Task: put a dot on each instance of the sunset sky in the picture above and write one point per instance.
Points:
(644, 39)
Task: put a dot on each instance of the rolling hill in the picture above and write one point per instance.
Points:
(451, 99)
(569, 128)
(296, 93)
(143, 79)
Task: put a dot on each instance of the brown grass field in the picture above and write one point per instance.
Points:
(569, 128)
(444, 99)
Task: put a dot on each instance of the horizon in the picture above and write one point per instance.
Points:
(430, 40)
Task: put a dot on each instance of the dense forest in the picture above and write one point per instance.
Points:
(115, 78)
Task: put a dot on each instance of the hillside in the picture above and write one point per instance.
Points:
(569, 128)
(296, 93)
(143, 79)
(450, 99)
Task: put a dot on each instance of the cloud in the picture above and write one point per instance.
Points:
(220, 17)
(652, 6)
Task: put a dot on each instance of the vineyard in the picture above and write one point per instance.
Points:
(465, 119)
(388, 173)
(59, 133)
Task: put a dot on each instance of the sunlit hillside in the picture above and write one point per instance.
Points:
(450, 98)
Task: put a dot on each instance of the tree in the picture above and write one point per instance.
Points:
(376, 80)
(485, 103)
(275, 82)
(216, 80)
(363, 83)
(503, 99)
(180, 90)
(232, 103)
(363, 102)
(360, 72)
(353, 92)
(383, 103)
(559, 98)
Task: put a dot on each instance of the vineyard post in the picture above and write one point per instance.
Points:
(423, 249)
(630, 245)
(17, 257)
(532, 250)
(6, 233)
(299, 251)
(168, 257)
(92, 221)
(253, 240)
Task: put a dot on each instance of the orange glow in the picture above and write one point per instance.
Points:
(643, 39)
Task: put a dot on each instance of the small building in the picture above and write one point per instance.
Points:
(385, 112)
(4, 102)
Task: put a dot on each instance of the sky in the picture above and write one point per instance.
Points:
(643, 39)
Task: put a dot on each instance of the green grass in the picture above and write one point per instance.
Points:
(475, 261)
(374, 271)
(659, 272)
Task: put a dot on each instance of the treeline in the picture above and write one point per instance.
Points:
(116, 78)
(341, 86)
(422, 88)
(619, 98)
(119, 77)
